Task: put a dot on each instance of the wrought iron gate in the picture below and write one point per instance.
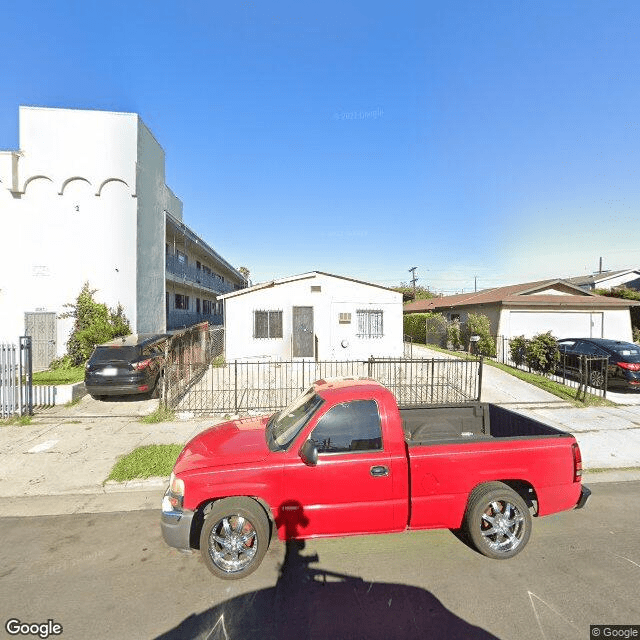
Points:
(16, 391)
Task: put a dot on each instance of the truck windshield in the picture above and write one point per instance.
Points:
(284, 426)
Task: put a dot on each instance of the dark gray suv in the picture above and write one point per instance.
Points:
(130, 365)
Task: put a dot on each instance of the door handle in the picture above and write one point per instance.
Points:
(379, 471)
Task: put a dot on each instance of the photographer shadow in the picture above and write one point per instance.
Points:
(308, 602)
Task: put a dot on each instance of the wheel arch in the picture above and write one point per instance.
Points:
(204, 507)
(523, 488)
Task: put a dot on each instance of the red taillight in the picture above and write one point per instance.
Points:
(630, 366)
(144, 387)
(577, 462)
(139, 366)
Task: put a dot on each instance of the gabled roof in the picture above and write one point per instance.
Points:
(595, 278)
(302, 276)
(527, 293)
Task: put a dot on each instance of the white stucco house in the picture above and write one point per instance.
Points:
(531, 308)
(313, 315)
(84, 198)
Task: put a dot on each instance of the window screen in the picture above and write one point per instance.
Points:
(369, 324)
(347, 427)
(267, 324)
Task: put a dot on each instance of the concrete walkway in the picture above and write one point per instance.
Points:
(59, 463)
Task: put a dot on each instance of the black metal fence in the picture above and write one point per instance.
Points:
(16, 386)
(260, 386)
(586, 374)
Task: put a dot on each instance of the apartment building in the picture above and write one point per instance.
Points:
(83, 199)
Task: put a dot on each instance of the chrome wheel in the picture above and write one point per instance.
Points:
(502, 526)
(234, 537)
(497, 520)
(596, 379)
(233, 543)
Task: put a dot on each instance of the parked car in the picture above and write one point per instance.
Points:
(623, 368)
(130, 365)
(343, 459)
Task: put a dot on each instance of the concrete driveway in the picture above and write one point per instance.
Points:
(609, 437)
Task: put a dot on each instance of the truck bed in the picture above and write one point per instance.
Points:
(431, 424)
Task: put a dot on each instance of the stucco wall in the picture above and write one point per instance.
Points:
(336, 296)
(73, 219)
(153, 199)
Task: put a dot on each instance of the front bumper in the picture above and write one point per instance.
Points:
(585, 494)
(176, 528)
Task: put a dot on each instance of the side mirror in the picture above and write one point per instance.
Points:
(309, 454)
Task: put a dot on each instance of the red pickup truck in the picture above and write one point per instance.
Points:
(343, 459)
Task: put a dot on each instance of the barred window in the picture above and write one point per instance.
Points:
(206, 307)
(369, 324)
(267, 324)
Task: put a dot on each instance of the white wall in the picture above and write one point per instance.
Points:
(58, 232)
(337, 295)
(82, 200)
(153, 200)
(613, 324)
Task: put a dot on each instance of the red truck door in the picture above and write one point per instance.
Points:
(350, 489)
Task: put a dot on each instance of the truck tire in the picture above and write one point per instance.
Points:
(234, 538)
(497, 521)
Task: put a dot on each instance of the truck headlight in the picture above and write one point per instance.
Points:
(174, 497)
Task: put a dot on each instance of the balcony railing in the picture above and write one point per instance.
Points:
(179, 319)
(191, 274)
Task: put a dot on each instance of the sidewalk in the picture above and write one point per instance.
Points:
(60, 462)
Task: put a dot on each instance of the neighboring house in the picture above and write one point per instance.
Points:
(84, 199)
(313, 315)
(537, 307)
(608, 280)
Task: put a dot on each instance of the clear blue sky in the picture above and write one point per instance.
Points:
(491, 139)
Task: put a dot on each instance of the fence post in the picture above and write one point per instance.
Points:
(369, 364)
(235, 384)
(26, 348)
(165, 400)
(480, 379)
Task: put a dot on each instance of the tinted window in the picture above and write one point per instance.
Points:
(590, 349)
(629, 352)
(112, 354)
(351, 426)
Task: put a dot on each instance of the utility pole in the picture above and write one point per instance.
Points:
(475, 284)
(413, 281)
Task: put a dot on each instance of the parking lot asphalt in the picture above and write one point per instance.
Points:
(62, 459)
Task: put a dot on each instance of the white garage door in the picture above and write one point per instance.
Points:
(564, 324)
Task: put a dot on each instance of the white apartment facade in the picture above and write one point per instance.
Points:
(85, 199)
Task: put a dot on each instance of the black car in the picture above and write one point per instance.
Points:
(623, 369)
(130, 365)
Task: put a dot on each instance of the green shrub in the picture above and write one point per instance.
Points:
(454, 337)
(636, 335)
(479, 325)
(542, 353)
(518, 350)
(94, 324)
(416, 325)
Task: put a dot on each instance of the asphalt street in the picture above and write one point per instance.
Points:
(110, 575)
